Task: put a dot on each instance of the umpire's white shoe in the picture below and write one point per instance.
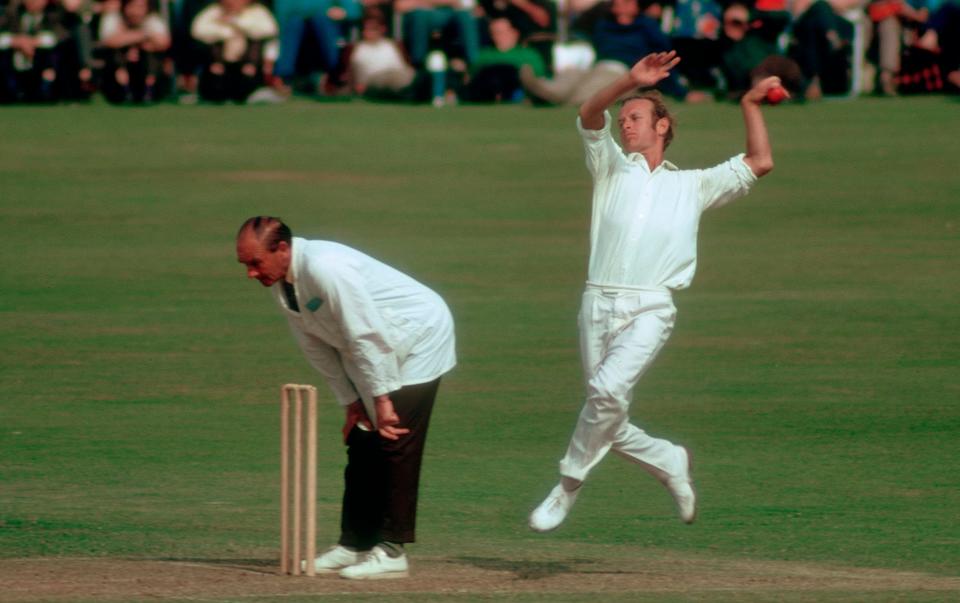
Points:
(553, 510)
(334, 559)
(681, 488)
(377, 565)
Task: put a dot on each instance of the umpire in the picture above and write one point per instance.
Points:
(382, 341)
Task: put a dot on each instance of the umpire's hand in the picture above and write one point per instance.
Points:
(387, 419)
(356, 415)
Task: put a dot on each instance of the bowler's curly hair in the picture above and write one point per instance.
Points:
(660, 111)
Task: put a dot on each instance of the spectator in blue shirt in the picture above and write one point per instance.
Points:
(620, 39)
(327, 20)
(452, 19)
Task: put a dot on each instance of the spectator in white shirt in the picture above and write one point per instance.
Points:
(376, 64)
(33, 44)
(240, 37)
(382, 341)
(136, 40)
(643, 238)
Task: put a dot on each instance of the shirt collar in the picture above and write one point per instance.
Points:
(640, 159)
(291, 276)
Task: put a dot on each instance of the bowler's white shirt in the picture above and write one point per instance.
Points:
(366, 327)
(643, 230)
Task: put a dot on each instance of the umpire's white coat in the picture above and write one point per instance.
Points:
(369, 329)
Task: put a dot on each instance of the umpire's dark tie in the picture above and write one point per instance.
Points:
(291, 296)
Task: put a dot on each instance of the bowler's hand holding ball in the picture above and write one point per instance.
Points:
(777, 95)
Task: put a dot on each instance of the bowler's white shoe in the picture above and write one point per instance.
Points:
(681, 488)
(553, 510)
(377, 565)
(335, 559)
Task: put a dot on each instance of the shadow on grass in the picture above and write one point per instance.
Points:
(526, 569)
(264, 566)
(521, 569)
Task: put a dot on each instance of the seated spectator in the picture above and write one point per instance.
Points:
(376, 65)
(696, 19)
(694, 34)
(527, 16)
(783, 67)
(188, 54)
(621, 38)
(78, 62)
(534, 19)
(452, 19)
(942, 40)
(890, 18)
(240, 40)
(33, 40)
(822, 46)
(495, 76)
(583, 15)
(135, 41)
(327, 19)
(746, 42)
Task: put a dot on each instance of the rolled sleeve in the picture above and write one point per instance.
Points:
(723, 183)
(601, 151)
(327, 362)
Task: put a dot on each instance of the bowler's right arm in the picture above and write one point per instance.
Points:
(647, 72)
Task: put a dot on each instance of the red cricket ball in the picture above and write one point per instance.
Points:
(776, 95)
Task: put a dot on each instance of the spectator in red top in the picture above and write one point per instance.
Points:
(890, 18)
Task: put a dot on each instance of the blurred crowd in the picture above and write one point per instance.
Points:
(477, 51)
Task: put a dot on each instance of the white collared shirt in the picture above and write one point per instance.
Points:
(643, 230)
(366, 327)
(255, 22)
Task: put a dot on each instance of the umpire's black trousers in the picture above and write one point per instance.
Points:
(382, 477)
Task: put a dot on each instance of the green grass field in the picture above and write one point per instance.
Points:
(813, 371)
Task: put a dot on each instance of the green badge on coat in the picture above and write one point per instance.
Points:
(314, 304)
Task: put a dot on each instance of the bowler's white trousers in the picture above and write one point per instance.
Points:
(622, 329)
